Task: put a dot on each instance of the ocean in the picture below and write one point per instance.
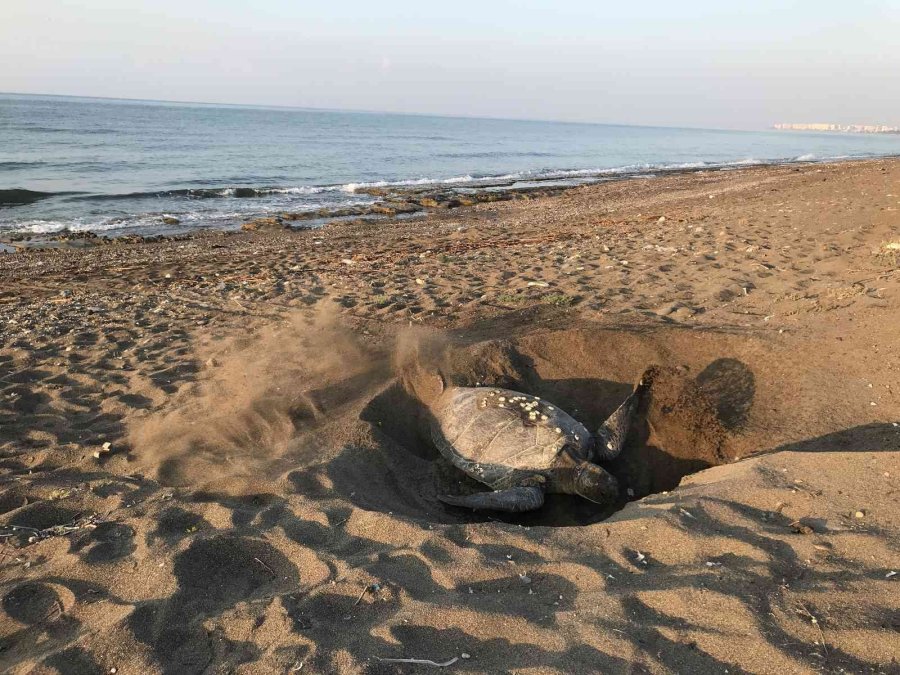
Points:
(116, 167)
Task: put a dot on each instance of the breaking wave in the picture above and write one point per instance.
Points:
(206, 193)
(252, 201)
(142, 223)
(19, 197)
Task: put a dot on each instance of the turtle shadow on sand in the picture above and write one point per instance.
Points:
(681, 427)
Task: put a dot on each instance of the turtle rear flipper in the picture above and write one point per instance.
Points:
(610, 438)
(513, 500)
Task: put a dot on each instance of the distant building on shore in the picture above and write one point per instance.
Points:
(845, 128)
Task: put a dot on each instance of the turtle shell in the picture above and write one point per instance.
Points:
(495, 435)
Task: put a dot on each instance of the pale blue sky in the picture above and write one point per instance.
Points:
(701, 63)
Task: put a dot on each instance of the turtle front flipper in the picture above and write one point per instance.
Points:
(610, 438)
(513, 500)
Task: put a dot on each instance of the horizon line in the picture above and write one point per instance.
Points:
(369, 111)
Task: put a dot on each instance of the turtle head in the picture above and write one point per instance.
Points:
(595, 484)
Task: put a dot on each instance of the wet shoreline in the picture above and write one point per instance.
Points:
(392, 203)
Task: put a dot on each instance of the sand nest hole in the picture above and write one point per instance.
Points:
(310, 411)
(682, 426)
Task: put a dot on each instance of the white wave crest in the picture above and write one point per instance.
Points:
(353, 187)
(302, 190)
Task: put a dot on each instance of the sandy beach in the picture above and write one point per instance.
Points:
(213, 455)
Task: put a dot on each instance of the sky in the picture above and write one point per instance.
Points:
(713, 64)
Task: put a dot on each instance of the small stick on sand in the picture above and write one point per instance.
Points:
(23, 527)
(422, 662)
(271, 571)
(361, 596)
(815, 622)
(369, 587)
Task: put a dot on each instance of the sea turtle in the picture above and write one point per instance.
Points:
(522, 446)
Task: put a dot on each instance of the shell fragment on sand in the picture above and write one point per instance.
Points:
(105, 449)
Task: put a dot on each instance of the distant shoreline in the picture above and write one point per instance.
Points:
(838, 128)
